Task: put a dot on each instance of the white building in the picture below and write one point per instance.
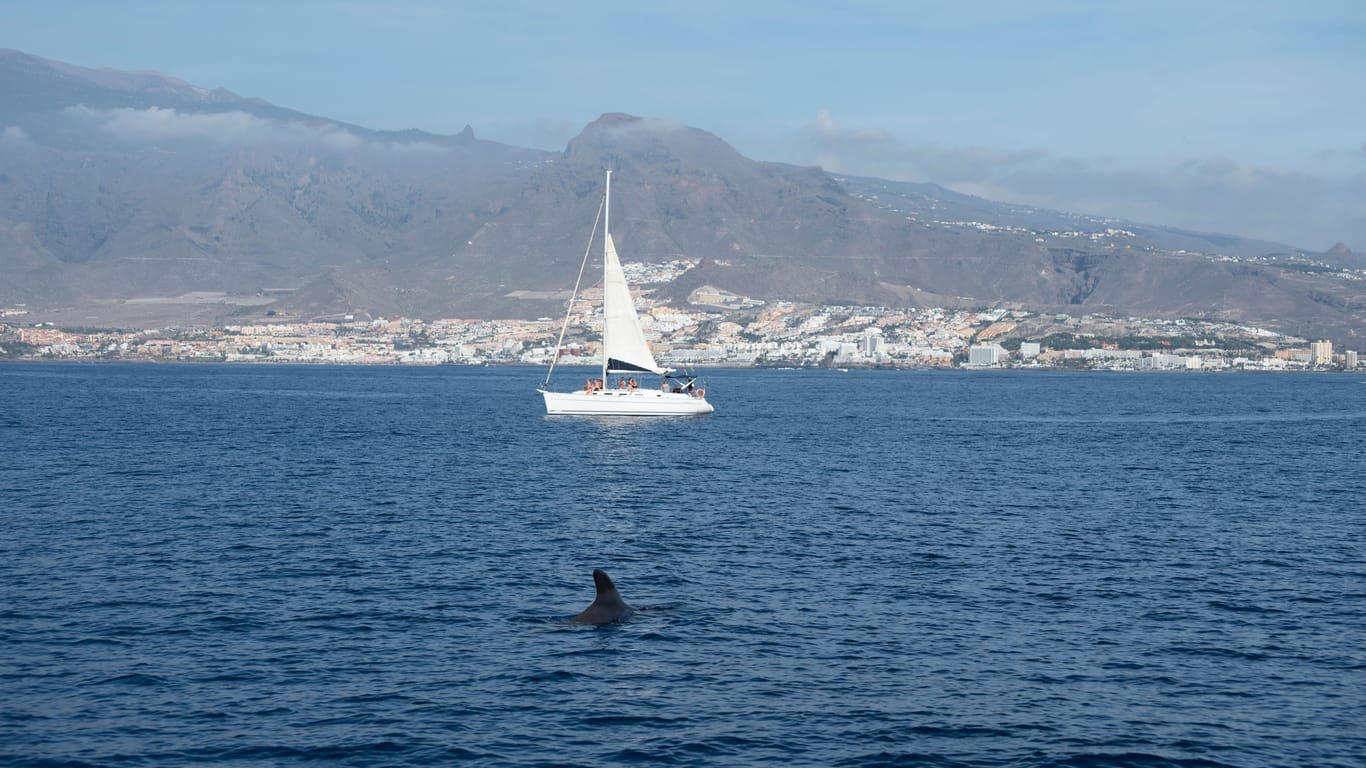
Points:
(1029, 350)
(985, 355)
(1165, 362)
(1320, 352)
(872, 342)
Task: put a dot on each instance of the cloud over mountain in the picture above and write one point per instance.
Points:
(231, 128)
(1305, 207)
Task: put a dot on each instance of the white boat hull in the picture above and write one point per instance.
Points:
(624, 403)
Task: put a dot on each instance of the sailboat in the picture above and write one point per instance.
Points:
(625, 353)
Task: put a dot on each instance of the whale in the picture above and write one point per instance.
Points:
(607, 607)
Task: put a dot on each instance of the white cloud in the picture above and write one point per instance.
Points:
(1309, 207)
(158, 124)
(875, 152)
(1302, 209)
(645, 125)
(413, 148)
(13, 135)
(341, 141)
(231, 128)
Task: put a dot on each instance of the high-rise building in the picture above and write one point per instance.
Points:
(1321, 352)
(872, 342)
(1349, 359)
(985, 355)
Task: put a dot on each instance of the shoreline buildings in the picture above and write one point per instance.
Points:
(776, 335)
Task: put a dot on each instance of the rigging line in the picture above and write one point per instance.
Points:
(570, 311)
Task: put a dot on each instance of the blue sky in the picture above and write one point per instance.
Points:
(1243, 117)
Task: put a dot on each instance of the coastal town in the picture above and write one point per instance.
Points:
(717, 329)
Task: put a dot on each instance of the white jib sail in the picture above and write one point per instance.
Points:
(624, 342)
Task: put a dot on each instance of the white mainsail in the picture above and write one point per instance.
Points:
(623, 340)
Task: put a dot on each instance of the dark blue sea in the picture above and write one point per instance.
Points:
(373, 566)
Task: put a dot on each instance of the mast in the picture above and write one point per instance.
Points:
(606, 233)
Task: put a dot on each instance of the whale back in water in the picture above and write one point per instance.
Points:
(608, 606)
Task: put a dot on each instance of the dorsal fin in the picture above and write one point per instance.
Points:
(607, 606)
(602, 581)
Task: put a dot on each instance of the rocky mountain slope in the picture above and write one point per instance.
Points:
(121, 192)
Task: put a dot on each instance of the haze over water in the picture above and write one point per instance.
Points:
(372, 566)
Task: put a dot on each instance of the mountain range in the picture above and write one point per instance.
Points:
(134, 198)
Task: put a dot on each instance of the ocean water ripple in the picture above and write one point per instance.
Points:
(374, 566)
